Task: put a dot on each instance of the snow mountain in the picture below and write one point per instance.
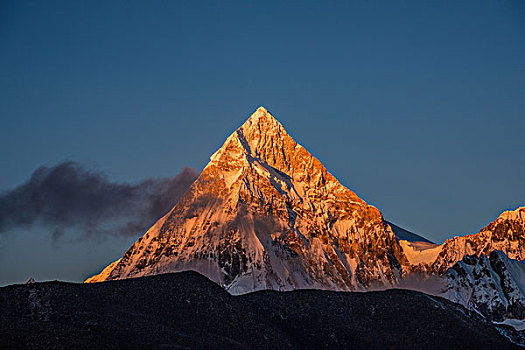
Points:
(266, 214)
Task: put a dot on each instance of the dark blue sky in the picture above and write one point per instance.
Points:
(417, 106)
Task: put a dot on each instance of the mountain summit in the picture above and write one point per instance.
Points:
(266, 214)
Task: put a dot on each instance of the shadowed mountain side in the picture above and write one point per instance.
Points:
(403, 234)
(186, 310)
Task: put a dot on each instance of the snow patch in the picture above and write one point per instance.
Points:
(420, 253)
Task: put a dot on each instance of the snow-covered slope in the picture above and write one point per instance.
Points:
(494, 285)
(266, 214)
(420, 254)
(104, 274)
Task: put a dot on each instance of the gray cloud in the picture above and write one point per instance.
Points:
(69, 196)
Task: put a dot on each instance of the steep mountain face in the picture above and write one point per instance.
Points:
(492, 285)
(266, 214)
(506, 234)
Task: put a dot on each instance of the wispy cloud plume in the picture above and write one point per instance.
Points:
(70, 196)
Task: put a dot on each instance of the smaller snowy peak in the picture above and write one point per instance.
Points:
(508, 228)
(506, 233)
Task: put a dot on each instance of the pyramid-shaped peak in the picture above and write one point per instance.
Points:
(262, 121)
(261, 112)
(261, 109)
(261, 136)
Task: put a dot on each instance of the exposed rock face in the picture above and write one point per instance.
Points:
(266, 214)
(494, 286)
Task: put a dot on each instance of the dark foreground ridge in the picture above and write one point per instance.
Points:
(188, 311)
